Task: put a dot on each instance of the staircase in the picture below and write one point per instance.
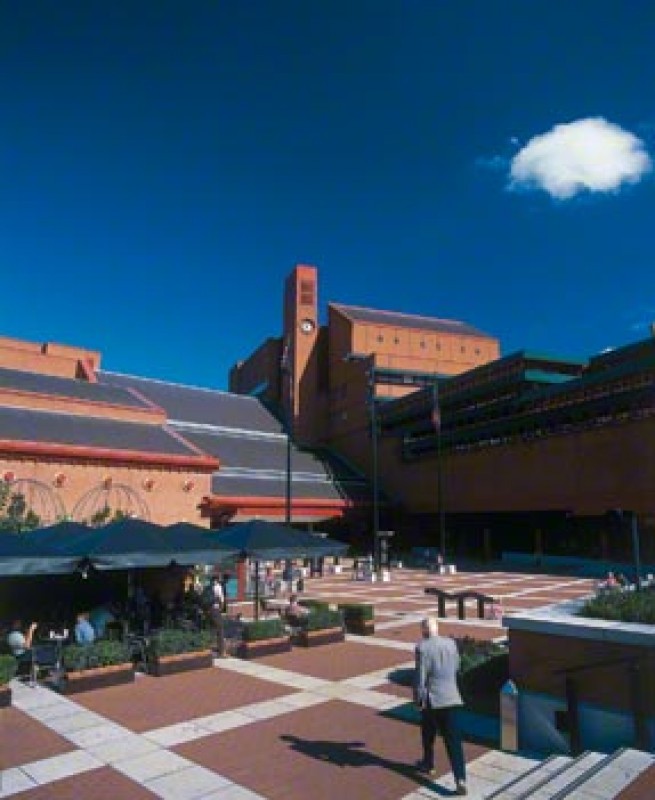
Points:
(589, 776)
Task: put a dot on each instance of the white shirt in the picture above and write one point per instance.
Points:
(17, 643)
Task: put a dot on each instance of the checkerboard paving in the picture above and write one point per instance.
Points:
(310, 723)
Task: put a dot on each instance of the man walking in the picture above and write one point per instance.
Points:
(437, 695)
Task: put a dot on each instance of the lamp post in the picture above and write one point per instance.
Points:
(441, 510)
(287, 373)
(374, 464)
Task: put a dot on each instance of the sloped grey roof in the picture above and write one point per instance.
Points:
(401, 320)
(248, 440)
(66, 387)
(202, 406)
(230, 484)
(26, 425)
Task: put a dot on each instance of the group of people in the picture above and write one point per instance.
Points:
(89, 625)
(614, 581)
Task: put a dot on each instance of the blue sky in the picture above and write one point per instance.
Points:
(164, 164)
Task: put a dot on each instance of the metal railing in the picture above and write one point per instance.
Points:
(637, 698)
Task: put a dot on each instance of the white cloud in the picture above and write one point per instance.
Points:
(591, 155)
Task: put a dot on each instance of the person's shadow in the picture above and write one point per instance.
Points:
(353, 754)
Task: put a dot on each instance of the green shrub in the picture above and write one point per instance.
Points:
(77, 657)
(8, 666)
(311, 603)
(272, 628)
(356, 611)
(474, 652)
(638, 607)
(320, 618)
(172, 641)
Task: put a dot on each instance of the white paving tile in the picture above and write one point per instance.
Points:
(71, 723)
(13, 781)
(121, 748)
(233, 792)
(266, 709)
(151, 765)
(172, 735)
(223, 721)
(98, 734)
(63, 766)
(302, 700)
(57, 710)
(191, 783)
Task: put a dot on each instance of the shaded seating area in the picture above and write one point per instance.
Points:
(484, 601)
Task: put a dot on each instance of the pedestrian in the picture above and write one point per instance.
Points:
(214, 605)
(437, 695)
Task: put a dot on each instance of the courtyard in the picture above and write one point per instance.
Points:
(318, 722)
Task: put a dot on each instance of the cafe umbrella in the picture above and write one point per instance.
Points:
(262, 540)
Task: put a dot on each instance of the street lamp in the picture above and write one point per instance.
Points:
(441, 509)
(287, 374)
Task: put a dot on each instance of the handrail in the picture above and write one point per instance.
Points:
(610, 662)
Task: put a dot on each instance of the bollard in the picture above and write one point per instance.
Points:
(509, 714)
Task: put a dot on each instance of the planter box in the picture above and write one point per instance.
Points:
(360, 627)
(263, 647)
(5, 696)
(180, 662)
(314, 638)
(97, 678)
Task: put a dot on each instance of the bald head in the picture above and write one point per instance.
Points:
(430, 627)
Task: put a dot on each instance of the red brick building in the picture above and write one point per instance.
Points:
(532, 453)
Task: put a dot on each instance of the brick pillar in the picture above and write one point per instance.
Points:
(242, 578)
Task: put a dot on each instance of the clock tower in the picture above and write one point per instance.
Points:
(299, 337)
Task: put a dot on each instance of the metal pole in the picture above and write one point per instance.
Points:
(636, 555)
(441, 510)
(287, 370)
(374, 459)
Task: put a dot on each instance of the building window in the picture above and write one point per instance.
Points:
(380, 337)
(423, 345)
(438, 346)
(307, 293)
(396, 340)
(462, 349)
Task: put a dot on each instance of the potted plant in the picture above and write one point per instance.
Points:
(322, 625)
(8, 667)
(263, 637)
(358, 618)
(95, 666)
(172, 650)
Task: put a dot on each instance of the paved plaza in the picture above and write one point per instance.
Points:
(313, 723)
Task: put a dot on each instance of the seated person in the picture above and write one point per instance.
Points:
(294, 610)
(84, 630)
(99, 617)
(20, 643)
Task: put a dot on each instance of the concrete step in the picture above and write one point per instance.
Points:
(610, 777)
(498, 775)
(531, 781)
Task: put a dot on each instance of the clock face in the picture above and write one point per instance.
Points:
(307, 325)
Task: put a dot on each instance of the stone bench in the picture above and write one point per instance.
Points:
(483, 601)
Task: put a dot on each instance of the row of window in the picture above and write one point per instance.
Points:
(423, 345)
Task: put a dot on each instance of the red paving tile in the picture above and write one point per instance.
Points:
(642, 788)
(99, 784)
(333, 750)
(411, 633)
(337, 661)
(157, 702)
(24, 740)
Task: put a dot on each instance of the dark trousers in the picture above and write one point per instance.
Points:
(443, 721)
